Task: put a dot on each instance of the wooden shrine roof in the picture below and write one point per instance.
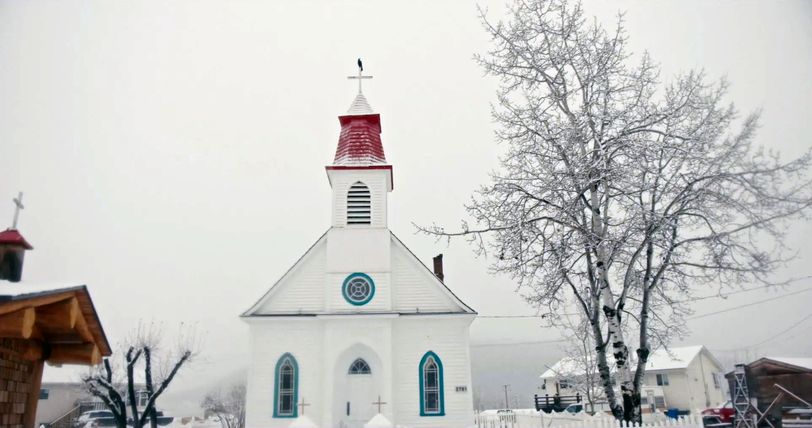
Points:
(59, 323)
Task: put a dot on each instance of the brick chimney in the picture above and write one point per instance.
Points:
(438, 266)
(12, 253)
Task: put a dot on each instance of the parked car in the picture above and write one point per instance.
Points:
(506, 415)
(713, 421)
(101, 422)
(88, 416)
(725, 412)
(574, 408)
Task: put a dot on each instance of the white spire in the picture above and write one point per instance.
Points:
(359, 106)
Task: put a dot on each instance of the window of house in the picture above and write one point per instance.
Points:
(359, 204)
(717, 383)
(565, 383)
(659, 402)
(359, 366)
(43, 394)
(143, 398)
(286, 387)
(431, 386)
(662, 379)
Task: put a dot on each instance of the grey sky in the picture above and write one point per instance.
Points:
(172, 153)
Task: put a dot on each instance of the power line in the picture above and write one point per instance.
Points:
(734, 308)
(688, 319)
(730, 293)
(782, 332)
(516, 316)
(535, 342)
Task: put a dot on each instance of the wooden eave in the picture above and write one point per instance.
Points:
(60, 326)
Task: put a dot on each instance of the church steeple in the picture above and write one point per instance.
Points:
(359, 169)
(360, 139)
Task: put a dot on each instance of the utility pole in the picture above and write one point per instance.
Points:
(507, 403)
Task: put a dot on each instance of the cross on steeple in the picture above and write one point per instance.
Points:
(379, 403)
(18, 205)
(360, 75)
(302, 404)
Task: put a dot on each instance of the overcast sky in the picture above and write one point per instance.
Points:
(172, 153)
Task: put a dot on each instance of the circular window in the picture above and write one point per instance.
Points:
(358, 289)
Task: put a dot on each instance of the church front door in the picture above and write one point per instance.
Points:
(359, 394)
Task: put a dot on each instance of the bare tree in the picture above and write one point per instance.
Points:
(618, 195)
(118, 387)
(229, 406)
(581, 366)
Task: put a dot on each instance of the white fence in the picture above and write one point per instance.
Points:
(545, 420)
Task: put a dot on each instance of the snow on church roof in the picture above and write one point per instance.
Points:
(360, 141)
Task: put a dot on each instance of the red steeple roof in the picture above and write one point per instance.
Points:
(13, 237)
(360, 141)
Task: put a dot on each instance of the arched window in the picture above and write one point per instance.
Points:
(359, 209)
(431, 386)
(286, 387)
(359, 366)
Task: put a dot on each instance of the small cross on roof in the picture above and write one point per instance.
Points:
(18, 205)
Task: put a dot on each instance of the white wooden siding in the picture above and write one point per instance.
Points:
(269, 341)
(377, 180)
(416, 289)
(320, 346)
(302, 289)
(448, 338)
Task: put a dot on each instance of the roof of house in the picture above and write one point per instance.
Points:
(804, 363)
(661, 359)
(566, 366)
(676, 357)
(13, 237)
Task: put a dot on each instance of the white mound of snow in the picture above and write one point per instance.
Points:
(378, 421)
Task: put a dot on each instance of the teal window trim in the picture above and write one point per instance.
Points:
(345, 291)
(286, 357)
(421, 374)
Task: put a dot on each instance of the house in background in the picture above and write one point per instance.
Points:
(568, 377)
(563, 378)
(691, 377)
(686, 378)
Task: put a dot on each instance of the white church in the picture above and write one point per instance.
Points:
(358, 328)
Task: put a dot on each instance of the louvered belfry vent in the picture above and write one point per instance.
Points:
(359, 206)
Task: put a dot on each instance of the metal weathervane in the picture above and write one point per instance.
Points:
(360, 75)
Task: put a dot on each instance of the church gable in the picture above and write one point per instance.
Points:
(301, 288)
(416, 288)
(409, 288)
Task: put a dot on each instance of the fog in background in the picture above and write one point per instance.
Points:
(172, 155)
